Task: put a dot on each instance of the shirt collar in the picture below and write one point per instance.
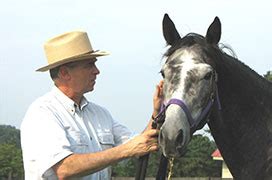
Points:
(68, 103)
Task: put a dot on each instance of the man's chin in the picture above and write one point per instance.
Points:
(91, 89)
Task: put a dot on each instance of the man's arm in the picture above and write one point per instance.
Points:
(83, 164)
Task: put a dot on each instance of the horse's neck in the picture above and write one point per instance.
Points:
(242, 129)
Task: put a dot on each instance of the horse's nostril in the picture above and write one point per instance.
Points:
(180, 143)
(179, 139)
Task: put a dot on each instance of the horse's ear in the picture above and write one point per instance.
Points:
(214, 32)
(170, 32)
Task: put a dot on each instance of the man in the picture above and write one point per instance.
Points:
(65, 136)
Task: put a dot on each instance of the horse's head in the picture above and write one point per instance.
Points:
(189, 84)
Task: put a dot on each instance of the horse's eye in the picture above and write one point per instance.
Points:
(208, 75)
(162, 73)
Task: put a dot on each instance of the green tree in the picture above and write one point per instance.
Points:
(9, 135)
(125, 168)
(268, 75)
(197, 162)
(11, 162)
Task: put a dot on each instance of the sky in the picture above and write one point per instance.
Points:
(132, 32)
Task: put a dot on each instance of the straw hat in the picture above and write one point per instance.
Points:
(69, 47)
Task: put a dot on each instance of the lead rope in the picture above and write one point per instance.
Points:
(171, 164)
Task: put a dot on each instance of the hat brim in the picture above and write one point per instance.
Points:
(73, 59)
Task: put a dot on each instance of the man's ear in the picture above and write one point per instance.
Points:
(64, 73)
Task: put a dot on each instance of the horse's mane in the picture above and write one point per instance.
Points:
(235, 62)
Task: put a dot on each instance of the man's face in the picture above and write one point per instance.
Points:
(83, 75)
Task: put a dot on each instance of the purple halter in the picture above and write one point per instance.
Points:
(194, 123)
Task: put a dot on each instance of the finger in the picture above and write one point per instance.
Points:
(157, 91)
(154, 147)
(160, 89)
(152, 132)
(161, 84)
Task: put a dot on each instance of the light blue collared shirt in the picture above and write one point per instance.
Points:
(54, 127)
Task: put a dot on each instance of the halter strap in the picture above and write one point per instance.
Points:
(193, 122)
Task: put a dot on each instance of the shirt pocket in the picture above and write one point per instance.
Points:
(106, 140)
(79, 141)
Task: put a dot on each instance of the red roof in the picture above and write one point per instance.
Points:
(216, 153)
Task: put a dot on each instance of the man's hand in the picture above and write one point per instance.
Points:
(143, 143)
(77, 165)
(157, 99)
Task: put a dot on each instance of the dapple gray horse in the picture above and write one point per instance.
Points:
(207, 84)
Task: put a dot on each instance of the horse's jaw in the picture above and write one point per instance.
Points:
(175, 132)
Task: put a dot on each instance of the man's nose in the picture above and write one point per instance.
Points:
(96, 70)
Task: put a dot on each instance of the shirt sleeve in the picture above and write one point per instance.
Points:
(44, 140)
